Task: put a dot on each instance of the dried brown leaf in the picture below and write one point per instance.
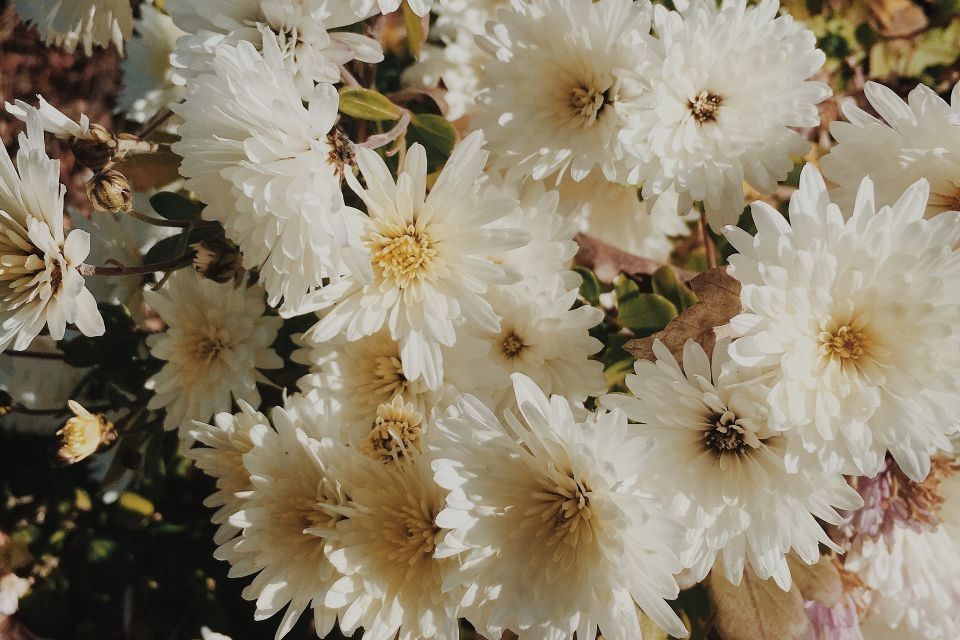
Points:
(897, 18)
(757, 609)
(718, 300)
(607, 262)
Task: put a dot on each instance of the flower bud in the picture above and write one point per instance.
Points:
(83, 434)
(217, 259)
(95, 150)
(6, 403)
(110, 191)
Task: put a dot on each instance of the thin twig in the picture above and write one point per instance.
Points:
(170, 265)
(708, 244)
(155, 122)
(383, 139)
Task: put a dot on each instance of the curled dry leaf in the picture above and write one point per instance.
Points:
(757, 609)
(718, 300)
(607, 262)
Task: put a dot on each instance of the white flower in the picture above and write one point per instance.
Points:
(217, 338)
(207, 634)
(284, 518)
(914, 584)
(723, 466)
(89, 23)
(225, 442)
(365, 7)
(301, 29)
(393, 586)
(269, 169)
(430, 257)
(40, 281)
(52, 119)
(148, 86)
(553, 87)
(732, 82)
(915, 139)
(541, 336)
(551, 515)
(616, 214)
(855, 323)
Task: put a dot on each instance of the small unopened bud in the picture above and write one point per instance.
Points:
(6, 403)
(83, 434)
(96, 149)
(110, 191)
(217, 259)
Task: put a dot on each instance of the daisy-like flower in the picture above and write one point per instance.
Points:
(269, 169)
(724, 467)
(541, 336)
(393, 585)
(87, 23)
(224, 443)
(557, 532)
(430, 257)
(552, 88)
(148, 85)
(301, 29)
(915, 139)
(854, 324)
(40, 280)
(914, 583)
(732, 82)
(217, 338)
(286, 518)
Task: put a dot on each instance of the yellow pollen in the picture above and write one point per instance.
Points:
(705, 106)
(414, 534)
(588, 103)
(513, 345)
(395, 432)
(565, 505)
(403, 258)
(846, 343)
(726, 435)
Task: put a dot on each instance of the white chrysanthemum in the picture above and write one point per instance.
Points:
(856, 324)
(557, 530)
(732, 82)
(914, 584)
(430, 257)
(307, 48)
(225, 442)
(269, 169)
(359, 376)
(456, 62)
(284, 519)
(217, 338)
(88, 23)
(40, 281)
(723, 466)
(541, 336)
(915, 139)
(553, 92)
(366, 7)
(148, 86)
(616, 214)
(52, 120)
(393, 586)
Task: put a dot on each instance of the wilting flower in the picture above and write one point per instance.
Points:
(88, 23)
(557, 529)
(83, 434)
(92, 144)
(217, 339)
(148, 85)
(40, 280)
(855, 325)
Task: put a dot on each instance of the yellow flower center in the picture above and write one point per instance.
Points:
(404, 257)
(845, 344)
(565, 505)
(513, 345)
(396, 432)
(413, 534)
(705, 106)
(588, 103)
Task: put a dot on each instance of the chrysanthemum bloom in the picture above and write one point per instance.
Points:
(224, 443)
(724, 467)
(552, 89)
(88, 23)
(217, 338)
(393, 585)
(148, 85)
(915, 139)
(269, 168)
(366, 7)
(285, 518)
(855, 324)
(914, 583)
(40, 281)
(732, 82)
(432, 257)
(307, 48)
(557, 530)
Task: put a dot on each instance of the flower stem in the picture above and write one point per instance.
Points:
(708, 244)
(161, 222)
(170, 265)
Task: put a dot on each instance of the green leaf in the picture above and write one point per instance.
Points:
(435, 133)
(174, 206)
(589, 286)
(646, 313)
(365, 104)
(667, 284)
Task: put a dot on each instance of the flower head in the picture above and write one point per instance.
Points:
(83, 434)
(88, 23)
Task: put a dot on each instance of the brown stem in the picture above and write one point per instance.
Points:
(170, 265)
(155, 122)
(708, 244)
